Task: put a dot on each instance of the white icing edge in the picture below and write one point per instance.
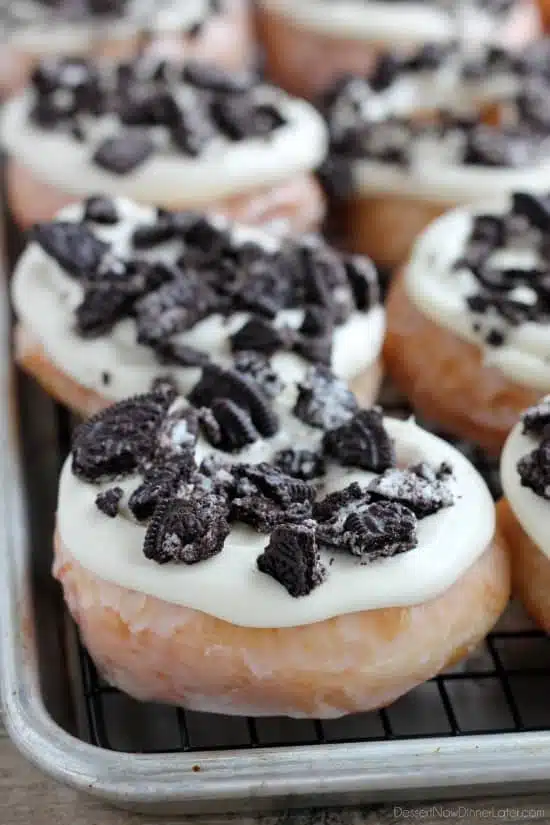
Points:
(230, 587)
(44, 298)
(400, 24)
(532, 511)
(438, 293)
(170, 179)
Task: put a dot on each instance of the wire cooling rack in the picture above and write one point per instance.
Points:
(502, 688)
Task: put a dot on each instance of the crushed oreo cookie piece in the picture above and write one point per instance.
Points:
(173, 308)
(236, 429)
(536, 420)
(101, 308)
(331, 506)
(264, 497)
(534, 470)
(180, 354)
(364, 281)
(536, 208)
(161, 479)
(216, 383)
(379, 530)
(215, 79)
(77, 250)
(187, 530)
(420, 488)
(259, 369)
(115, 442)
(108, 502)
(264, 515)
(101, 209)
(303, 464)
(314, 339)
(361, 442)
(125, 153)
(259, 335)
(292, 559)
(324, 401)
(273, 483)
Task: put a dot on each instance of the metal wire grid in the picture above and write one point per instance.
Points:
(502, 688)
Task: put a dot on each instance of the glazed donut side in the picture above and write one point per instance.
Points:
(297, 203)
(530, 567)
(452, 387)
(357, 662)
(33, 359)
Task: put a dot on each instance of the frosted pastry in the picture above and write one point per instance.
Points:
(312, 43)
(523, 513)
(218, 31)
(269, 553)
(177, 137)
(436, 130)
(474, 295)
(112, 295)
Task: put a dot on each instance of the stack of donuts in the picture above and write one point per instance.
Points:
(228, 261)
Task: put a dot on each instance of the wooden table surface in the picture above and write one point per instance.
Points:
(29, 798)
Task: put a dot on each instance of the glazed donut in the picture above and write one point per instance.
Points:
(331, 562)
(425, 134)
(474, 296)
(112, 295)
(523, 513)
(310, 44)
(179, 138)
(219, 32)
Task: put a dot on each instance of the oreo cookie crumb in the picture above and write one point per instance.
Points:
(361, 442)
(101, 210)
(534, 470)
(302, 464)
(108, 502)
(180, 354)
(123, 154)
(259, 369)
(333, 504)
(217, 383)
(536, 420)
(324, 401)
(380, 530)
(161, 480)
(420, 488)
(187, 530)
(77, 250)
(259, 335)
(236, 429)
(293, 560)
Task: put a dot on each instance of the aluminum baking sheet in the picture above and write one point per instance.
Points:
(482, 728)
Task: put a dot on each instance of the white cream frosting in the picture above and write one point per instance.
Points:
(531, 510)
(39, 30)
(230, 587)
(433, 172)
(168, 177)
(45, 298)
(440, 292)
(397, 23)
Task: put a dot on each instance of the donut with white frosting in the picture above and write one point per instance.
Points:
(523, 513)
(258, 550)
(311, 43)
(441, 128)
(219, 31)
(474, 294)
(192, 136)
(112, 295)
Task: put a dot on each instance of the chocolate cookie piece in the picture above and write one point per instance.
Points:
(536, 208)
(173, 308)
(536, 420)
(217, 383)
(180, 354)
(236, 429)
(364, 281)
(273, 483)
(292, 559)
(303, 464)
(101, 209)
(380, 530)
(77, 250)
(123, 154)
(264, 515)
(324, 401)
(187, 530)
(116, 441)
(102, 307)
(259, 335)
(418, 488)
(333, 505)
(361, 442)
(259, 369)
(108, 502)
(534, 470)
(215, 79)
(161, 480)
